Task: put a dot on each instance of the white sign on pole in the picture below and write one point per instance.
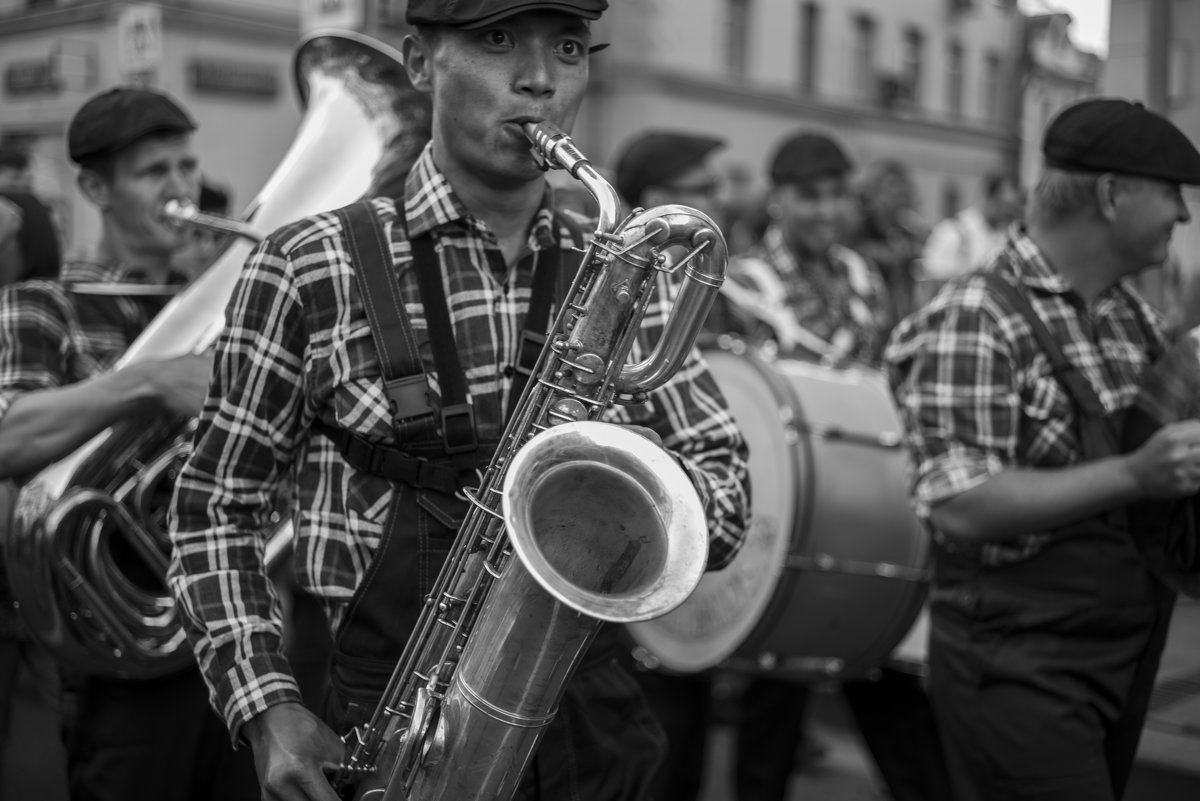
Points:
(139, 38)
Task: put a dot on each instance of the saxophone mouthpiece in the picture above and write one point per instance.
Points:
(553, 149)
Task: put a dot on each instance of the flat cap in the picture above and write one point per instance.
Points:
(477, 13)
(1114, 135)
(656, 157)
(806, 156)
(118, 117)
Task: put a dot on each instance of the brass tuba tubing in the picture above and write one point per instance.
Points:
(363, 124)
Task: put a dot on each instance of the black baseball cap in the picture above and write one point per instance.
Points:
(808, 155)
(656, 157)
(477, 13)
(118, 117)
(1107, 134)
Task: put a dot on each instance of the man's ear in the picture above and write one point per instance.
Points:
(1107, 189)
(94, 188)
(416, 55)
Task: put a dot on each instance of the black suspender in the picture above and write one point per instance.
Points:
(405, 380)
(552, 279)
(458, 416)
(1077, 386)
(404, 376)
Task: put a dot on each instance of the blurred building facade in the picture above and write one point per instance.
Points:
(936, 84)
(932, 83)
(1154, 56)
(1056, 73)
(227, 62)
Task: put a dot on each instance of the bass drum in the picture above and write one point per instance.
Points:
(834, 569)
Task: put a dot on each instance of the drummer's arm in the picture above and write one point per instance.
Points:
(1017, 501)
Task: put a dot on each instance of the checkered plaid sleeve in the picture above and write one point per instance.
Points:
(951, 368)
(34, 327)
(247, 435)
(695, 424)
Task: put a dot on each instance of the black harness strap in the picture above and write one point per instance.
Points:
(551, 280)
(458, 415)
(404, 377)
(1077, 386)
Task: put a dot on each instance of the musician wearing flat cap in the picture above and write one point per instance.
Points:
(1047, 625)
(370, 360)
(799, 286)
(60, 385)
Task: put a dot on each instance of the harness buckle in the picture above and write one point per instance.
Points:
(458, 428)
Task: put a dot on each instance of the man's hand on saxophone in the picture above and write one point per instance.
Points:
(293, 750)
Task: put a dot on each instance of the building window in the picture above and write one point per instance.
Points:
(810, 46)
(991, 86)
(738, 31)
(864, 57)
(954, 79)
(912, 68)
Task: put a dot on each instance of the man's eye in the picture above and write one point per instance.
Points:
(571, 47)
(498, 38)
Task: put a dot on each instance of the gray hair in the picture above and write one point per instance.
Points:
(1059, 195)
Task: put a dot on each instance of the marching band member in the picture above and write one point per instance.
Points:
(1047, 627)
(657, 168)
(298, 391)
(799, 286)
(129, 739)
(818, 299)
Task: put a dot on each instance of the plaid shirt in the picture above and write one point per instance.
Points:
(297, 348)
(51, 337)
(976, 391)
(842, 300)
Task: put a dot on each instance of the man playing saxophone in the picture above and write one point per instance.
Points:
(151, 738)
(373, 467)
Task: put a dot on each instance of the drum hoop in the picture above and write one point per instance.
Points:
(782, 398)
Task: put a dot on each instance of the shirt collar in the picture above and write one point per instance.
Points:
(1030, 266)
(430, 203)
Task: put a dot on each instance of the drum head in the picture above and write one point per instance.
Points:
(728, 603)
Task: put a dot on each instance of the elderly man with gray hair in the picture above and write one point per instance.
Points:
(1047, 625)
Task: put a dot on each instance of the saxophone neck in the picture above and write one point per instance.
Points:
(555, 150)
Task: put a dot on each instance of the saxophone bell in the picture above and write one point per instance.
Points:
(635, 558)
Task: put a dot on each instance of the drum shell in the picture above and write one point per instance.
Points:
(833, 573)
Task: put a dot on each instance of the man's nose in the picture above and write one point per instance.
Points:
(535, 74)
(183, 184)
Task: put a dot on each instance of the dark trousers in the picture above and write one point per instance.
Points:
(770, 729)
(156, 740)
(1041, 673)
(33, 759)
(682, 705)
(895, 718)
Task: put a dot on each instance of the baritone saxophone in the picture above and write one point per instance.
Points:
(575, 521)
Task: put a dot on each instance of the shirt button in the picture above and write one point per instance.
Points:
(508, 371)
